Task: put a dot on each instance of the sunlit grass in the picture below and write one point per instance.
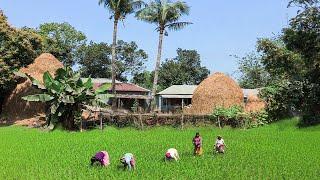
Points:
(277, 151)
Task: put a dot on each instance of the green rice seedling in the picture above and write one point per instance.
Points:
(276, 151)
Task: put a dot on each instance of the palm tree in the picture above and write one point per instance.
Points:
(118, 9)
(165, 14)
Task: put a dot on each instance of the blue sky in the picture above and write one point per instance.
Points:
(220, 28)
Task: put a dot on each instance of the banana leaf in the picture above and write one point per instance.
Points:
(67, 99)
(38, 98)
(103, 88)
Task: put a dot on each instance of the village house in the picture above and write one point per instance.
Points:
(127, 94)
(175, 97)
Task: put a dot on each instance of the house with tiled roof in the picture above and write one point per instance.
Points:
(127, 94)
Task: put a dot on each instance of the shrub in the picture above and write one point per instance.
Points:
(236, 117)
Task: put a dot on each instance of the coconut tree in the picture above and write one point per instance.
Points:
(118, 9)
(166, 15)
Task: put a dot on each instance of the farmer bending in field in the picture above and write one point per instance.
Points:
(128, 161)
(197, 142)
(172, 154)
(102, 157)
(220, 145)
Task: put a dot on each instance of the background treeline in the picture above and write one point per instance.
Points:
(287, 67)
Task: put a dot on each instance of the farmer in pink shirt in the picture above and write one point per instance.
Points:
(102, 157)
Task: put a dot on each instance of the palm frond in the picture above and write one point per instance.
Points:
(177, 25)
(138, 4)
(108, 4)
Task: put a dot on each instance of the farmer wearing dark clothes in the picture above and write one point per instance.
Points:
(197, 142)
(128, 161)
(102, 157)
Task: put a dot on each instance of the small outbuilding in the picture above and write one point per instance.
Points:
(175, 98)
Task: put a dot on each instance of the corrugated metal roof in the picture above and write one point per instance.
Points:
(173, 96)
(179, 89)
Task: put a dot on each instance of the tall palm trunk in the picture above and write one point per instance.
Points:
(156, 70)
(113, 62)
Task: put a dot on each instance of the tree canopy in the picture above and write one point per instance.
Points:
(95, 60)
(185, 68)
(293, 62)
(62, 40)
(18, 48)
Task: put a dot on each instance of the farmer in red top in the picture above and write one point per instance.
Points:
(197, 142)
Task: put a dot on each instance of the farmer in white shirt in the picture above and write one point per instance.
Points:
(172, 154)
(220, 145)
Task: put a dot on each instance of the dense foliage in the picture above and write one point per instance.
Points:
(18, 48)
(65, 95)
(62, 40)
(273, 151)
(95, 60)
(185, 68)
(236, 117)
(291, 64)
(252, 72)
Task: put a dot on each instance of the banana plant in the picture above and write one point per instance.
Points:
(65, 94)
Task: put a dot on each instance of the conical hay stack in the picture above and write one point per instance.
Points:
(16, 108)
(217, 90)
(254, 104)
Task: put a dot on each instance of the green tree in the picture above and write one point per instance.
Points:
(166, 15)
(252, 72)
(118, 9)
(95, 60)
(184, 69)
(143, 79)
(62, 40)
(18, 48)
(130, 59)
(296, 61)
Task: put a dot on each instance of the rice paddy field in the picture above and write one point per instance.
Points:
(277, 151)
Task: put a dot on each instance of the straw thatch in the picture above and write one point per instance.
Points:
(254, 104)
(217, 90)
(17, 109)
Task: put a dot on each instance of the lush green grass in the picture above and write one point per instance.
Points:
(278, 151)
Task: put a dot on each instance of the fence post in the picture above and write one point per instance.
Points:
(182, 120)
(101, 127)
(140, 119)
(219, 122)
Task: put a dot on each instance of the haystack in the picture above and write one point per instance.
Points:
(17, 109)
(254, 103)
(218, 90)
